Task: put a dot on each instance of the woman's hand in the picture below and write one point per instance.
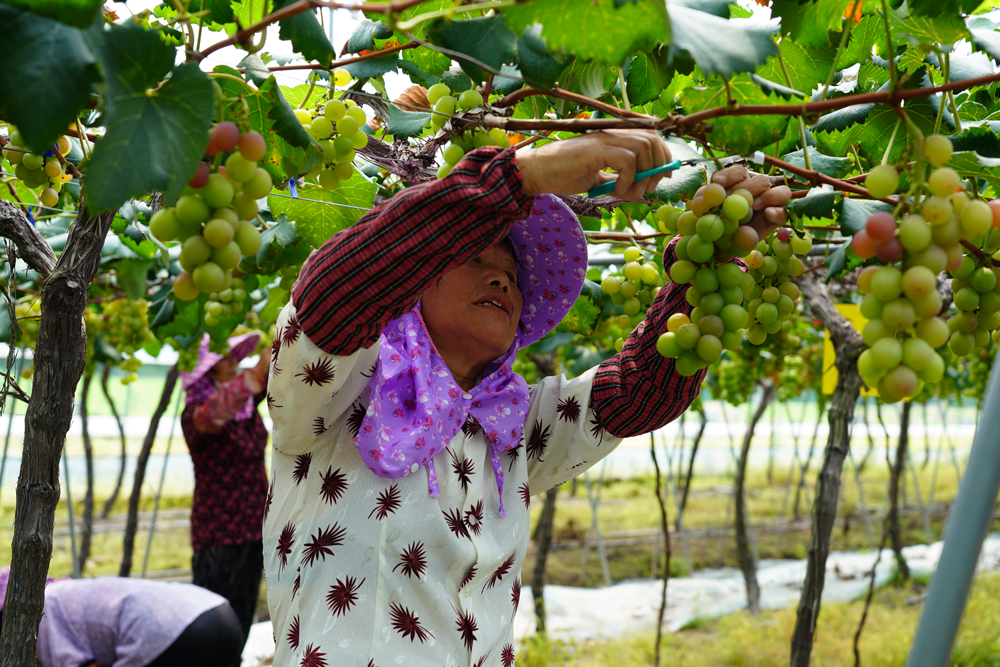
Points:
(768, 203)
(576, 165)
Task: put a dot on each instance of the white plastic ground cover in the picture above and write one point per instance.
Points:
(591, 613)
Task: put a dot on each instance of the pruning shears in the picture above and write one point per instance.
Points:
(608, 187)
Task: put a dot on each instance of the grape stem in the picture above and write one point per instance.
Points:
(971, 247)
(817, 177)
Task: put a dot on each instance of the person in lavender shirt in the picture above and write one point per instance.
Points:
(118, 622)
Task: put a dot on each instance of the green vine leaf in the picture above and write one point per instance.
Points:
(364, 36)
(306, 34)
(290, 149)
(594, 29)
(486, 39)
(738, 134)
(819, 203)
(647, 77)
(76, 13)
(810, 23)
(405, 124)
(807, 66)
(719, 45)
(939, 30)
(837, 167)
(866, 35)
(219, 11)
(683, 182)
(971, 164)
(156, 134)
(873, 136)
(329, 212)
(51, 67)
(854, 213)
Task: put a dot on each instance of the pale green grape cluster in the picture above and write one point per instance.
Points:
(38, 171)
(901, 300)
(903, 330)
(737, 380)
(773, 296)
(633, 288)
(212, 218)
(124, 323)
(225, 303)
(446, 104)
(28, 311)
(976, 295)
(336, 125)
(713, 231)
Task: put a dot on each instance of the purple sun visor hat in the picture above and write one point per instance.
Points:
(552, 264)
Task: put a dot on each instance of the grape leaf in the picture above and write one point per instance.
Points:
(417, 75)
(280, 246)
(536, 64)
(364, 36)
(854, 213)
(938, 7)
(962, 67)
(329, 212)
(836, 167)
(403, 124)
(811, 23)
(939, 30)
(865, 36)
(305, 33)
(290, 150)
(738, 134)
(970, 164)
(686, 180)
(77, 13)
(986, 40)
(594, 29)
(373, 67)
(718, 45)
(433, 63)
(647, 76)
(219, 11)
(256, 71)
(185, 320)
(131, 276)
(818, 203)
(807, 67)
(295, 94)
(873, 136)
(486, 39)
(581, 317)
(983, 137)
(155, 135)
(52, 69)
(842, 119)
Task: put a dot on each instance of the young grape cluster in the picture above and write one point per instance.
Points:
(124, 323)
(225, 303)
(337, 127)
(634, 289)
(445, 103)
(212, 219)
(38, 171)
(713, 231)
(901, 299)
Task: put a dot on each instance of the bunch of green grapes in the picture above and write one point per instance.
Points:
(124, 323)
(901, 297)
(737, 379)
(212, 219)
(979, 365)
(634, 289)
(773, 296)
(28, 311)
(445, 103)
(713, 231)
(225, 303)
(38, 171)
(976, 295)
(337, 127)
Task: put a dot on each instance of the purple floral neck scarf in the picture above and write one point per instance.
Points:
(416, 407)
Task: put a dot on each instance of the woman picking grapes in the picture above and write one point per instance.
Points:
(406, 449)
(226, 437)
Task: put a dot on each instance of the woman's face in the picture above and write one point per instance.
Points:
(225, 369)
(475, 308)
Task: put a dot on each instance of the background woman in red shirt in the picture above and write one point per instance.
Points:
(227, 438)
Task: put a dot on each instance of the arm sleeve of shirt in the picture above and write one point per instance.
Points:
(308, 389)
(637, 390)
(212, 415)
(369, 274)
(563, 437)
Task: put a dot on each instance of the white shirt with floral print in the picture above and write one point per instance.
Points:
(372, 572)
